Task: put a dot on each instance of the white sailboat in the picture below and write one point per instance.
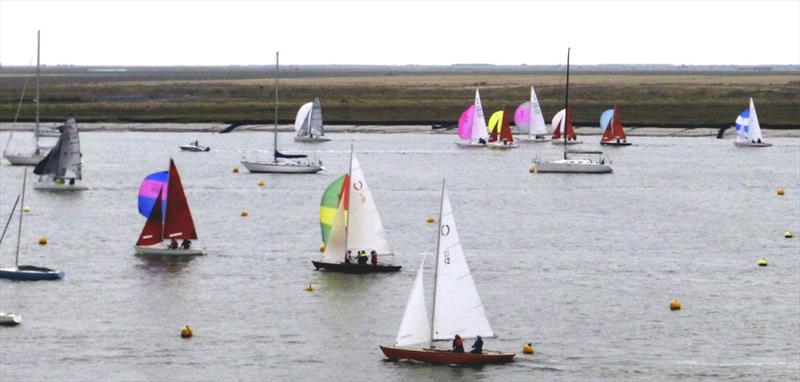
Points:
(282, 163)
(308, 123)
(472, 125)
(532, 119)
(748, 129)
(457, 307)
(60, 170)
(32, 158)
(356, 227)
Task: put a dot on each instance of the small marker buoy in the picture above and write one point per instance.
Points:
(322, 247)
(780, 191)
(309, 288)
(527, 348)
(788, 234)
(674, 305)
(26, 209)
(186, 332)
(244, 213)
(42, 240)
(762, 262)
(430, 219)
(261, 183)
(235, 170)
(532, 170)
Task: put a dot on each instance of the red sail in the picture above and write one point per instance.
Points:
(493, 135)
(616, 124)
(557, 130)
(178, 223)
(570, 131)
(505, 130)
(344, 195)
(608, 133)
(153, 229)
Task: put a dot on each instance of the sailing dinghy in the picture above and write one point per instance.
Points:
(163, 201)
(559, 122)
(472, 125)
(457, 308)
(748, 130)
(25, 272)
(308, 123)
(613, 134)
(282, 163)
(356, 226)
(529, 119)
(503, 140)
(60, 170)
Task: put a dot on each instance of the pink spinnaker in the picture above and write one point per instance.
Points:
(465, 123)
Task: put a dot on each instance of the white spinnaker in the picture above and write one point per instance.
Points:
(557, 121)
(537, 126)
(457, 306)
(365, 230)
(301, 120)
(315, 124)
(70, 159)
(754, 130)
(479, 130)
(335, 249)
(415, 328)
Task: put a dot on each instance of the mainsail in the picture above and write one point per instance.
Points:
(328, 205)
(754, 131)
(415, 328)
(178, 222)
(478, 122)
(64, 159)
(365, 229)
(537, 126)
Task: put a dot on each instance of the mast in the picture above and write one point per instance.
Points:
(19, 230)
(436, 267)
(349, 179)
(566, 108)
(36, 129)
(275, 141)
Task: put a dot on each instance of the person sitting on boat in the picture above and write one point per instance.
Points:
(373, 257)
(173, 244)
(458, 344)
(759, 140)
(348, 258)
(477, 347)
(362, 258)
(481, 141)
(186, 244)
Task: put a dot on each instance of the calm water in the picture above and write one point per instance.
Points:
(582, 266)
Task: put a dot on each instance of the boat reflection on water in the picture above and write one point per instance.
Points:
(159, 264)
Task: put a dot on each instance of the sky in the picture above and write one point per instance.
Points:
(400, 33)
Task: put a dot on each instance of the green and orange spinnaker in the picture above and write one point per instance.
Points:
(328, 205)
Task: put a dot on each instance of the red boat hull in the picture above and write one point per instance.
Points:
(446, 356)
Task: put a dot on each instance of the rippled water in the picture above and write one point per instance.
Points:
(582, 266)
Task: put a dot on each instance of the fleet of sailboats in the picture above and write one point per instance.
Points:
(308, 123)
(748, 130)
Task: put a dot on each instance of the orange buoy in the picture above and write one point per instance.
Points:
(186, 332)
(42, 240)
(674, 305)
(527, 348)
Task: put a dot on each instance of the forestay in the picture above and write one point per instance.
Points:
(415, 328)
(457, 306)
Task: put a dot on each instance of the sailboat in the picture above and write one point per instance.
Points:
(60, 170)
(25, 272)
(529, 119)
(500, 121)
(472, 125)
(575, 161)
(559, 122)
(308, 123)
(30, 159)
(748, 130)
(283, 163)
(614, 134)
(356, 227)
(457, 308)
(163, 191)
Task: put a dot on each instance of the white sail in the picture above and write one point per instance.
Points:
(457, 306)
(754, 129)
(315, 125)
(557, 121)
(537, 126)
(365, 229)
(335, 249)
(479, 130)
(415, 328)
(301, 121)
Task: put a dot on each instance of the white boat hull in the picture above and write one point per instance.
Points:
(471, 145)
(532, 140)
(751, 144)
(23, 160)
(561, 142)
(573, 167)
(53, 186)
(281, 167)
(194, 148)
(311, 139)
(161, 250)
(500, 146)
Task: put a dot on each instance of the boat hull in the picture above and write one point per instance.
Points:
(446, 356)
(311, 139)
(561, 142)
(500, 146)
(195, 149)
(532, 140)
(158, 250)
(30, 273)
(615, 143)
(355, 268)
(53, 186)
(9, 319)
(571, 168)
(280, 168)
(751, 144)
(471, 145)
(23, 160)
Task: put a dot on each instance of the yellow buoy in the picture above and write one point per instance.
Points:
(788, 234)
(780, 191)
(26, 209)
(186, 332)
(261, 183)
(236, 170)
(309, 288)
(674, 305)
(42, 240)
(322, 247)
(532, 170)
(244, 213)
(527, 348)
(430, 219)
(762, 262)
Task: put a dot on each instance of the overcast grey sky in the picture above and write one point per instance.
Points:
(396, 33)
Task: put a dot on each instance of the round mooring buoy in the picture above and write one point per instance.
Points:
(674, 305)
(527, 348)
(430, 219)
(781, 191)
(244, 213)
(26, 209)
(42, 240)
(186, 332)
(532, 170)
(235, 170)
(322, 247)
(261, 183)
(762, 262)
(788, 234)
(309, 288)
